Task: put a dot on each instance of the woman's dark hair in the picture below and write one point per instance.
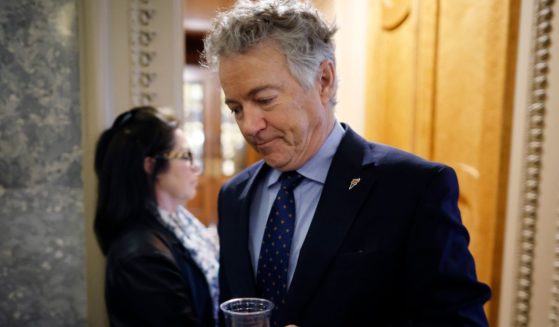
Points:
(124, 188)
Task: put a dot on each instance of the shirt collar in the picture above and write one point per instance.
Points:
(316, 168)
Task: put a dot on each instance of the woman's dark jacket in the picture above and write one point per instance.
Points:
(151, 280)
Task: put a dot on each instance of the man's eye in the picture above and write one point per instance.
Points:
(235, 110)
(265, 101)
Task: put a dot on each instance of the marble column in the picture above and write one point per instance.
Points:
(42, 275)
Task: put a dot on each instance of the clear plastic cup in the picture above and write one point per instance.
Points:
(247, 312)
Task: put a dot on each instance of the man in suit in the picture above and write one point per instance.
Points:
(360, 233)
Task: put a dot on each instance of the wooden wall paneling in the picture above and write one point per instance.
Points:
(497, 112)
(399, 61)
(390, 108)
(461, 87)
(375, 116)
(472, 124)
(197, 14)
(427, 22)
(212, 125)
(402, 76)
(440, 85)
(204, 204)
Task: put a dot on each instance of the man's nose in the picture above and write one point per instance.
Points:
(252, 122)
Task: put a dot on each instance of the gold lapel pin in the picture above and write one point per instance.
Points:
(354, 182)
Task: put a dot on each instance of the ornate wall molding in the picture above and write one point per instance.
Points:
(133, 54)
(554, 306)
(533, 160)
(142, 52)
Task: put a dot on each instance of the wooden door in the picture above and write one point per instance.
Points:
(440, 85)
(217, 143)
(218, 146)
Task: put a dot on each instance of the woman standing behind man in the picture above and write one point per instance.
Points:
(161, 261)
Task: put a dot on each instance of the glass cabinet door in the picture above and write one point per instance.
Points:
(233, 145)
(193, 120)
(217, 144)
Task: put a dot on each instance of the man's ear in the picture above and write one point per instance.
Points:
(326, 80)
(149, 163)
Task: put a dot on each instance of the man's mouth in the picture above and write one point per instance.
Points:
(262, 143)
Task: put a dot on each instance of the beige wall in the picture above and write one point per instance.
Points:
(351, 17)
(351, 49)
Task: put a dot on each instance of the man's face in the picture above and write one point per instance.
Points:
(282, 120)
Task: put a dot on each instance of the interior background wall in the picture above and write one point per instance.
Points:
(351, 17)
(440, 84)
(42, 273)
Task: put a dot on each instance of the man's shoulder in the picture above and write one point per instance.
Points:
(396, 156)
(384, 155)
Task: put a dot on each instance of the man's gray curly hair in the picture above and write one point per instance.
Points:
(294, 26)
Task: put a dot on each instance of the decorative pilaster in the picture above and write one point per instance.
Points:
(533, 160)
(142, 52)
(554, 306)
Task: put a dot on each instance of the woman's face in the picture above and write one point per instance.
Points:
(178, 183)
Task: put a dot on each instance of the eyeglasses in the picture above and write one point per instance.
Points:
(184, 154)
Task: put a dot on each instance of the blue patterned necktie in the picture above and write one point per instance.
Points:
(273, 263)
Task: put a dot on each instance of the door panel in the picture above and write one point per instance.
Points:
(440, 86)
(392, 84)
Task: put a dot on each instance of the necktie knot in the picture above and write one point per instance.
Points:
(290, 180)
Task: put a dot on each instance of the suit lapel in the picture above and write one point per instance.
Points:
(240, 271)
(337, 208)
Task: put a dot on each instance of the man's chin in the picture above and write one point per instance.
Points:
(273, 162)
(278, 158)
(280, 164)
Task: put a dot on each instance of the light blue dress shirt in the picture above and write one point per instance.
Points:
(306, 196)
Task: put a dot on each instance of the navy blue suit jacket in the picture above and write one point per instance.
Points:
(391, 251)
